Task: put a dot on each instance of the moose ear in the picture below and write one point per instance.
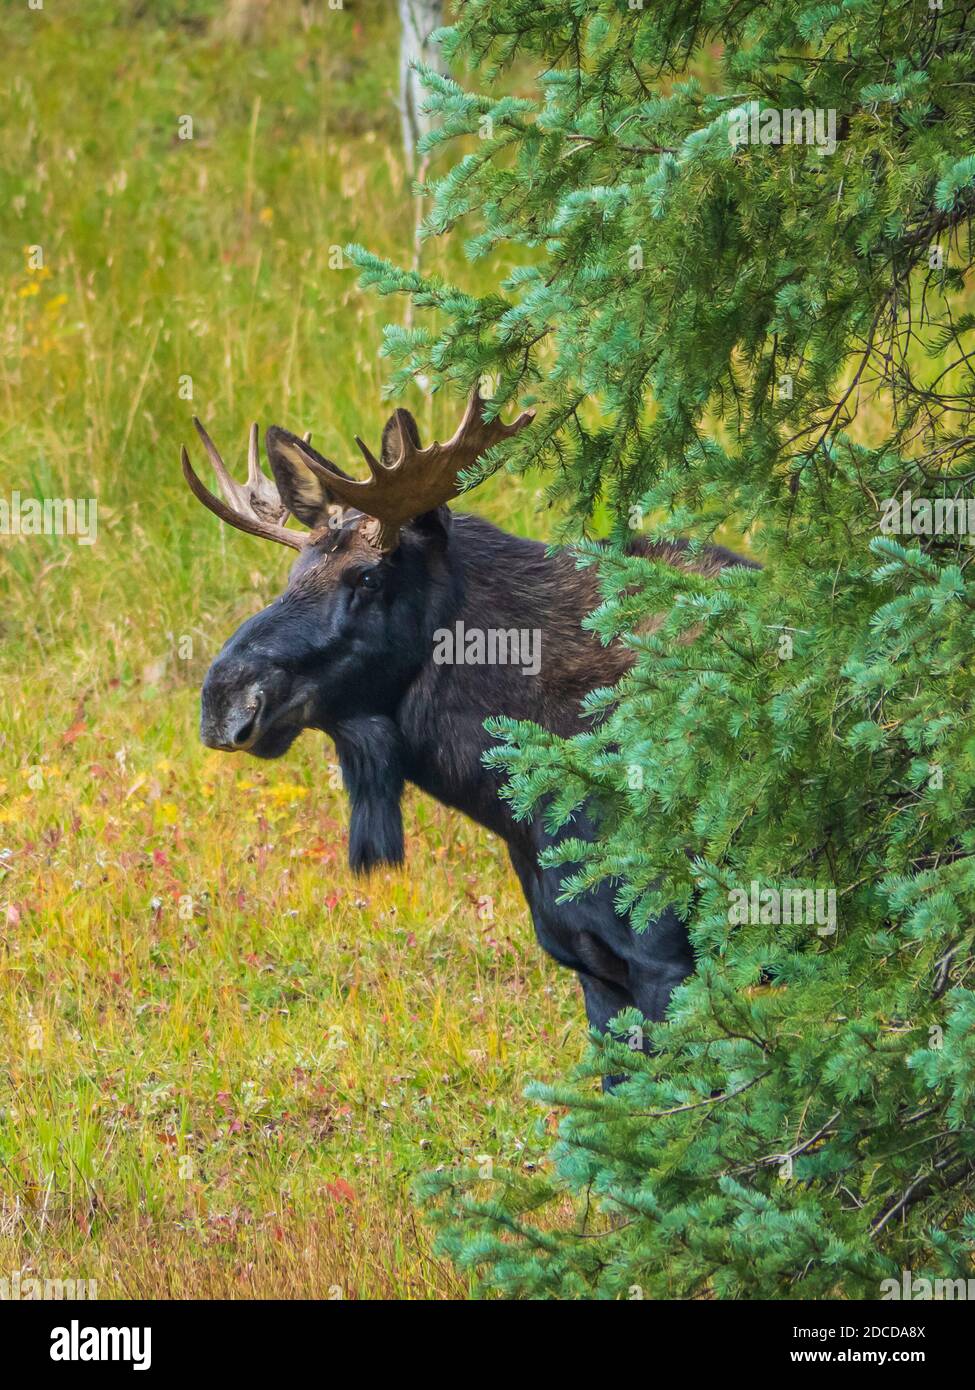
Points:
(303, 492)
(436, 522)
(392, 444)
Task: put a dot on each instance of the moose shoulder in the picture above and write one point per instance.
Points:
(402, 629)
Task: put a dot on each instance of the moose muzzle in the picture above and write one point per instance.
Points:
(239, 703)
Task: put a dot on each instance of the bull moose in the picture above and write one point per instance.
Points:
(349, 649)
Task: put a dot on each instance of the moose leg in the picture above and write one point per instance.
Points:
(659, 959)
(603, 1002)
(632, 970)
(618, 967)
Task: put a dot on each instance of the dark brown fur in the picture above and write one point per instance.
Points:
(348, 649)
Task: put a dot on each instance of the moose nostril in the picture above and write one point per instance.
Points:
(240, 735)
(248, 726)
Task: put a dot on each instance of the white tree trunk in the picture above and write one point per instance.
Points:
(418, 20)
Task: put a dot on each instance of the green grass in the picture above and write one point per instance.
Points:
(224, 1058)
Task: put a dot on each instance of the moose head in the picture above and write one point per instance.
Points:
(355, 622)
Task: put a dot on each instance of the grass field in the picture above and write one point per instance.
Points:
(223, 1058)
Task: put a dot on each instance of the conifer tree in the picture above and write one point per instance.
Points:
(740, 299)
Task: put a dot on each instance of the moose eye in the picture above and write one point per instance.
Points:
(370, 579)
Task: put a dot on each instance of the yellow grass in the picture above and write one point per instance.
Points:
(223, 1058)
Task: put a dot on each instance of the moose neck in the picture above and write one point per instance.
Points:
(511, 644)
(504, 637)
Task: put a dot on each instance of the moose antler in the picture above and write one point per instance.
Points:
(254, 506)
(419, 479)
